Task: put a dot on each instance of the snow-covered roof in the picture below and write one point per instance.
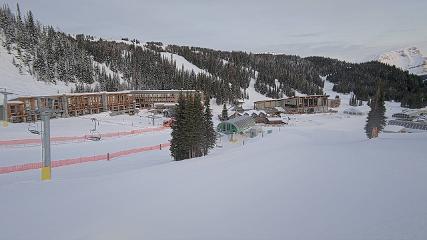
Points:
(280, 109)
(168, 104)
(119, 92)
(274, 119)
(257, 112)
(415, 112)
(15, 102)
(353, 111)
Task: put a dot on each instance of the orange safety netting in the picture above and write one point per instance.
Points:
(32, 141)
(72, 161)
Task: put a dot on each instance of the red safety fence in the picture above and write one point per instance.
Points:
(79, 160)
(33, 141)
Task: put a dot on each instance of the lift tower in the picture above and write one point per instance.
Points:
(5, 93)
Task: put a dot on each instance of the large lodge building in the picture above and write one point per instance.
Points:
(299, 105)
(24, 108)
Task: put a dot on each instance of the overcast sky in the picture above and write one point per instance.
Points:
(352, 30)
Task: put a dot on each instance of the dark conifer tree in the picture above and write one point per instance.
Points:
(179, 143)
(376, 119)
(209, 131)
(190, 129)
(224, 114)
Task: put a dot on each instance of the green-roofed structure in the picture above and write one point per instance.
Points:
(236, 125)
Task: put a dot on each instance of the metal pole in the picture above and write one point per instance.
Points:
(46, 169)
(5, 118)
(5, 109)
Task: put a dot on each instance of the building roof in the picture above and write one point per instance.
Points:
(353, 111)
(257, 112)
(280, 109)
(294, 97)
(15, 102)
(270, 100)
(239, 124)
(309, 96)
(274, 119)
(119, 92)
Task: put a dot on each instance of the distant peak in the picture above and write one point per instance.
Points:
(409, 58)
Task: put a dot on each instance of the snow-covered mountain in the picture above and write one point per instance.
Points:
(15, 77)
(410, 59)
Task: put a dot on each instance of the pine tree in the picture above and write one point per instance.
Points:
(224, 114)
(209, 132)
(195, 125)
(376, 119)
(192, 131)
(179, 144)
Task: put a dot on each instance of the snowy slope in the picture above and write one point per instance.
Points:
(310, 185)
(253, 95)
(22, 83)
(108, 70)
(181, 62)
(410, 59)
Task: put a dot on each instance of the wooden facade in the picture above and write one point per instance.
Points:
(24, 109)
(296, 105)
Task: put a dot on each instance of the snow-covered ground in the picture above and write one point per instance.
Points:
(81, 126)
(410, 59)
(22, 83)
(318, 178)
(108, 70)
(253, 95)
(181, 62)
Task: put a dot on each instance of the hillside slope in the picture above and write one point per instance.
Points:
(408, 59)
(20, 82)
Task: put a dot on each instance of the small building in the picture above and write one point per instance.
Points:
(334, 103)
(274, 121)
(235, 115)
(410, 114)
(353, 111)
(268, 104)
(236, 125)
(294, 105)
(306, 104)
(16, 111)
(258, 115)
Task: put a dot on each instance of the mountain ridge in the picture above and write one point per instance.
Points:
(408, 59)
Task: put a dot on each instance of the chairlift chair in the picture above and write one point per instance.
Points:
(33, 128)
(94, 136)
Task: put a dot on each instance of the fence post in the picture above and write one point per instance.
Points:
(108, 156)
(160, 146)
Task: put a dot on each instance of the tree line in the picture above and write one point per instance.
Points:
(362, 79)
(193, 134)
(46, 54)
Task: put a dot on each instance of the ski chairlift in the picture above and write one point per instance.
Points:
(94, 135)
(33, 128)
